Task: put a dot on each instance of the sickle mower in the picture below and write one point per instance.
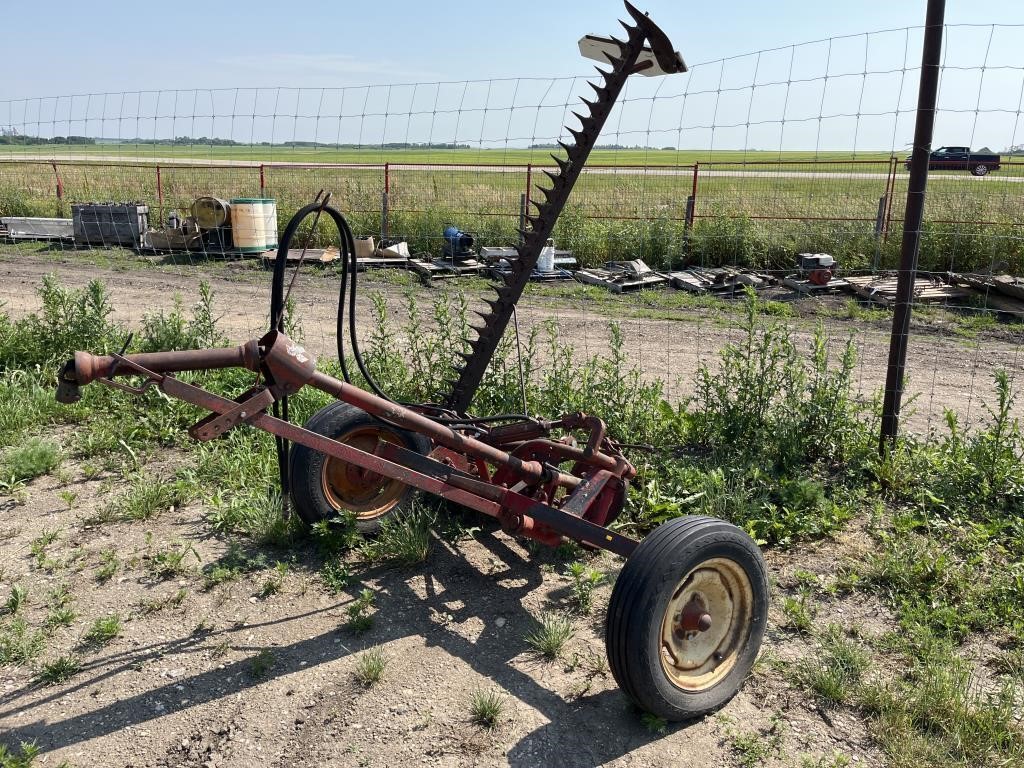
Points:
(688, 610)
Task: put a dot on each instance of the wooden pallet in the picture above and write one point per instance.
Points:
(498, 272)
(622, 276)
(722, 281)
(313, 255)
(1003, 293)
(808, 288)
(882, 289)
(438, 269)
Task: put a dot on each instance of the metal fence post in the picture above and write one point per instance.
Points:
(60, 183)
(263, 182)
(913, 218)
(522, 217)
(891, 191)
(688, 224)
(883, 204)
(529, 181)
(691, 212)
(384, 203)
(160, 196)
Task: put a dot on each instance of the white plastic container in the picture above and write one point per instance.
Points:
(546, 262)
(254, 224)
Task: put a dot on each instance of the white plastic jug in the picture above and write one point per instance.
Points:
(546, 262)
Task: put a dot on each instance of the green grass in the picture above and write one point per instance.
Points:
(173, 561)
(59, 670)
(102, 631)
(584, 581)
(30, 460)
(38, 549)
(403, 539)
(754, 748)
(157, 604)
(231, 565)
(370, 667)
(24, 757)
(145, 498)
(60, 616)
(275, 581)
(611, 216)
(549, 635)
(109, 563)
(836, 670)
(485, 708)
(773, 440)
(19, 644)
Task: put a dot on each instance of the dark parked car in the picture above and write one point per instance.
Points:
(961, 159)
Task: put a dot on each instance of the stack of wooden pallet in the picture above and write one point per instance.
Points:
(881, 289)
(1004, 293)
(722, 281)
(622, 276)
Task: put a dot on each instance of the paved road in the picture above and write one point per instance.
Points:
(768, 173)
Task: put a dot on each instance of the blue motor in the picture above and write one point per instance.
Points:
(457, 244)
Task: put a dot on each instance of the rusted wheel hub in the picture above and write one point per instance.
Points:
(366, 493)
(705, 624)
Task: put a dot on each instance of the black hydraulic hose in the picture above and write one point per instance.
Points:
(347, 292)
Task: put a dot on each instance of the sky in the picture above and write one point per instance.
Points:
(264, 70)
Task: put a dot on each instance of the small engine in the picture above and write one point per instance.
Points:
(818, 268)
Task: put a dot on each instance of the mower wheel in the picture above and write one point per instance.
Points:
(322, 486)
(686, 617)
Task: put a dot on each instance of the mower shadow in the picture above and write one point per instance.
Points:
(568, 739)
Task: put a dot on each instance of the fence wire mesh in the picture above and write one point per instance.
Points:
(743, 163)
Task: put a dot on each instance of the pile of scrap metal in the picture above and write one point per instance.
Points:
(720, 281)
(241, 226)
(1004, 293)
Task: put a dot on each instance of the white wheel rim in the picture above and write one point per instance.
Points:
(694, 659)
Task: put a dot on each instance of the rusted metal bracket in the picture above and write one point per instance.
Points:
(250, 405)
(580, 499)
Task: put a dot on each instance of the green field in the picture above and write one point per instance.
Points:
(748, 216)
(652, 157)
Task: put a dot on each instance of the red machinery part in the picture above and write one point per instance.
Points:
(523, 491)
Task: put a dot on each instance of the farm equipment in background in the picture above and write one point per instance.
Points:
(817, 268)
(688, 611)
(816, 274)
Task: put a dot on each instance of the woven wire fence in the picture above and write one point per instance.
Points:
(742, 163)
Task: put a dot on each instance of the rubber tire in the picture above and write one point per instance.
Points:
(305, 465)
(638, 602)
(979, 170)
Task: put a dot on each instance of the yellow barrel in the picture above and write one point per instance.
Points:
(254, 224)
(210, 212)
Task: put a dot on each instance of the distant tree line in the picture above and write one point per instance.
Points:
(12, 137)
(19, 140)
